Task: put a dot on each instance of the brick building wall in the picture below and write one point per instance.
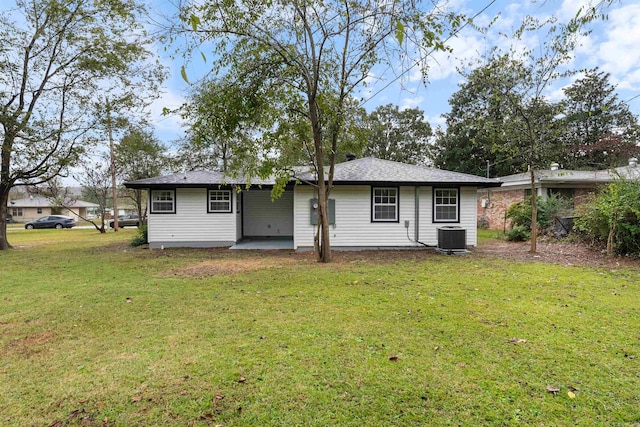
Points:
(491, 213)
(582, 195)
(493, 205)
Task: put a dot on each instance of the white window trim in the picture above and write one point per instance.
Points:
(436, 205)
(229, 201)
(374, 204)
(155, 200)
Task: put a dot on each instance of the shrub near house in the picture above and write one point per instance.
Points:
(612, 218)
(549, 210)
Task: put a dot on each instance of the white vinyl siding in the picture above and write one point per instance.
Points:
(354, 228)
(163, 201)
(263, 217)
(219, 201)
(468, 215)
(191, 224)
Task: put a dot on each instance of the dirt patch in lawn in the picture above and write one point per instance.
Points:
(30, 344)
(216, 267)
(555, 252)
(226, 262)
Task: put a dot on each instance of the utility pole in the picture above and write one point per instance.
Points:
(114, 189)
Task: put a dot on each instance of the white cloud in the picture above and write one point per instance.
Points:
(436, 121)
(619, 53)
(570, 8)
(411, 102)
(442, 65)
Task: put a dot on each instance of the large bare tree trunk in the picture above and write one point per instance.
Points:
(534, 213)
(4, 199)
(5, 186)
(324, 254)
(114, 188)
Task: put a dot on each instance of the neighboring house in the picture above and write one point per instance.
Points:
(374, 204)
(34, 207)
(574, 185)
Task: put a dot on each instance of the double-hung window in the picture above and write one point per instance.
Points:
(445, 205)
(163, 201)
(384, 204)
(219, 201)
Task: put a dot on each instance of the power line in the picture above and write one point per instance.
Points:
(632, 98)
(428, 54)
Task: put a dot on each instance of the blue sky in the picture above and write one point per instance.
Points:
(613, 46)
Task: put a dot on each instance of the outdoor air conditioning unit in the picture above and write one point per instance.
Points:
(452, 239)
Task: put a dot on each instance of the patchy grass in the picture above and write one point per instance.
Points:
(485, 234)
(94, 332)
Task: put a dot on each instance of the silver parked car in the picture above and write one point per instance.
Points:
(132, 220)
(51, 221)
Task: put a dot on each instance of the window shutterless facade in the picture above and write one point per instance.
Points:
(384, 204)
(163, 201)
(219, 201)
(446, 205)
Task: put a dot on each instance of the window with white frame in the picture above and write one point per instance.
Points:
(445, 205)
(219, 201)
(384, 204)
(163, 201)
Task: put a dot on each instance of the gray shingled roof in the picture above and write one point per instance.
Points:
(195, 179)
(360, 171)
(372, 170)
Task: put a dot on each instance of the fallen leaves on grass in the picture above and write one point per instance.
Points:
(394, 358)
(552, 389)
(516, 341)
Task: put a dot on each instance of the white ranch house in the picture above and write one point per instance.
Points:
(374, 204)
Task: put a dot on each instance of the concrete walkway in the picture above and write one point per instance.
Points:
(268, 244)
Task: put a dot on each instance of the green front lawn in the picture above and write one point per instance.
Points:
(94, 332)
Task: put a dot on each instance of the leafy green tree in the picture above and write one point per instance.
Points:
(476, 126)
(307, 59)
(401, 136)
(222, 118)
(612, 218)
(522, 78)
(139, 155)
(600, 130)
(54, 62)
